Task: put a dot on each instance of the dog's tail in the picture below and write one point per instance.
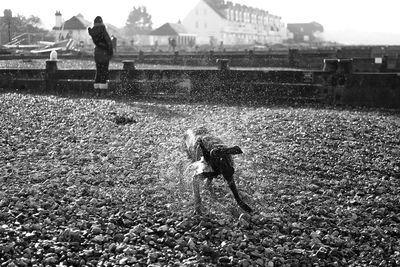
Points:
(234, 150)
(219, 151)
(225, 151)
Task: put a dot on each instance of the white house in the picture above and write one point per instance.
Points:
(167, 31)
(216, 21)
(76, 28)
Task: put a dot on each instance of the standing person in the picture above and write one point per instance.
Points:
(103, 52)
(114, 43)
(169, 43)
(173, 44)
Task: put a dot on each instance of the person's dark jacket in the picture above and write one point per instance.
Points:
(104, 48)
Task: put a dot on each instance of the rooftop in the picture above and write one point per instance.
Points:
(170, 29)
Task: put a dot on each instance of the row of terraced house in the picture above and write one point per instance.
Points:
(233, 23)
(223, 22)
(214, 22)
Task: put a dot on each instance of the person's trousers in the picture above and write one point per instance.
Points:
(100, 80)
(101, 72)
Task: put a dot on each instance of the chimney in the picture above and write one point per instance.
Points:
(58, 19)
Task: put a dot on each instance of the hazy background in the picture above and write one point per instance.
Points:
(345, 21)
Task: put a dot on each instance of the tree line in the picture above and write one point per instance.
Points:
(12, 26)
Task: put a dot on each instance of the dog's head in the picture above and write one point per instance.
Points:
(191, 135)
(191, 142)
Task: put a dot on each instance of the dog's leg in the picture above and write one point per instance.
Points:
(196, 192)
(202, 170)
(232, 186)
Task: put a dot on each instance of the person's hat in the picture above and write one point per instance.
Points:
(98, 19)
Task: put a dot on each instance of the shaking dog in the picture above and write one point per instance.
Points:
(211, 157)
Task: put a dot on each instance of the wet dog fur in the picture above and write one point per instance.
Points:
(211, 158)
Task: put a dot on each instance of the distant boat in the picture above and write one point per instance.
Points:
(16, 43)
(22, 47)
(64, 45)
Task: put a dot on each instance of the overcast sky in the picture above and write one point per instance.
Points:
(348, 21)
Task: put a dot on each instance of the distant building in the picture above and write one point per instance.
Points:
(177, 31)
(216, 21)
(5, 27)
(305, 32)
(76, 28)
